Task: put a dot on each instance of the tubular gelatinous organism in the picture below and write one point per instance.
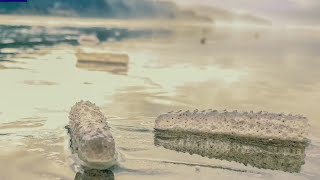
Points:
(281, 155)
(242, 124)
(91, 139)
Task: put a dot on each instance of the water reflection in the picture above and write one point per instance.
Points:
(17, 39)
(109, 62)
(30, 36)
(91, 174)
(282, 155)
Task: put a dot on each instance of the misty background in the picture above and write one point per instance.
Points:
(91, 8)
(130, 9)
(283, 12)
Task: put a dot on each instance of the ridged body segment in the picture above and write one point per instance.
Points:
(90, 135)
(260, 125)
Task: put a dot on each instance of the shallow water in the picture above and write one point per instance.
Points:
(242, 69)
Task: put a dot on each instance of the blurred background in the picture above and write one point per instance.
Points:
(285, 12)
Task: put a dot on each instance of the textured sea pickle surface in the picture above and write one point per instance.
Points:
(244, 124)
(90, 135)
(287, 156)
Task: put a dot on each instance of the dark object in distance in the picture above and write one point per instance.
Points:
(203, 40)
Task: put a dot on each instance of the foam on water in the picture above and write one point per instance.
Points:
(258, 125)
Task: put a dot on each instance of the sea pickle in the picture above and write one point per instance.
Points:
(243, 124)
(90, 135)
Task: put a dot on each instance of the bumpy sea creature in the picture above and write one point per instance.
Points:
(91, 139)
(281, 155)
(241, 124)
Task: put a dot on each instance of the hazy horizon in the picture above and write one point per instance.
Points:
(284, 12)
(278, 13)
